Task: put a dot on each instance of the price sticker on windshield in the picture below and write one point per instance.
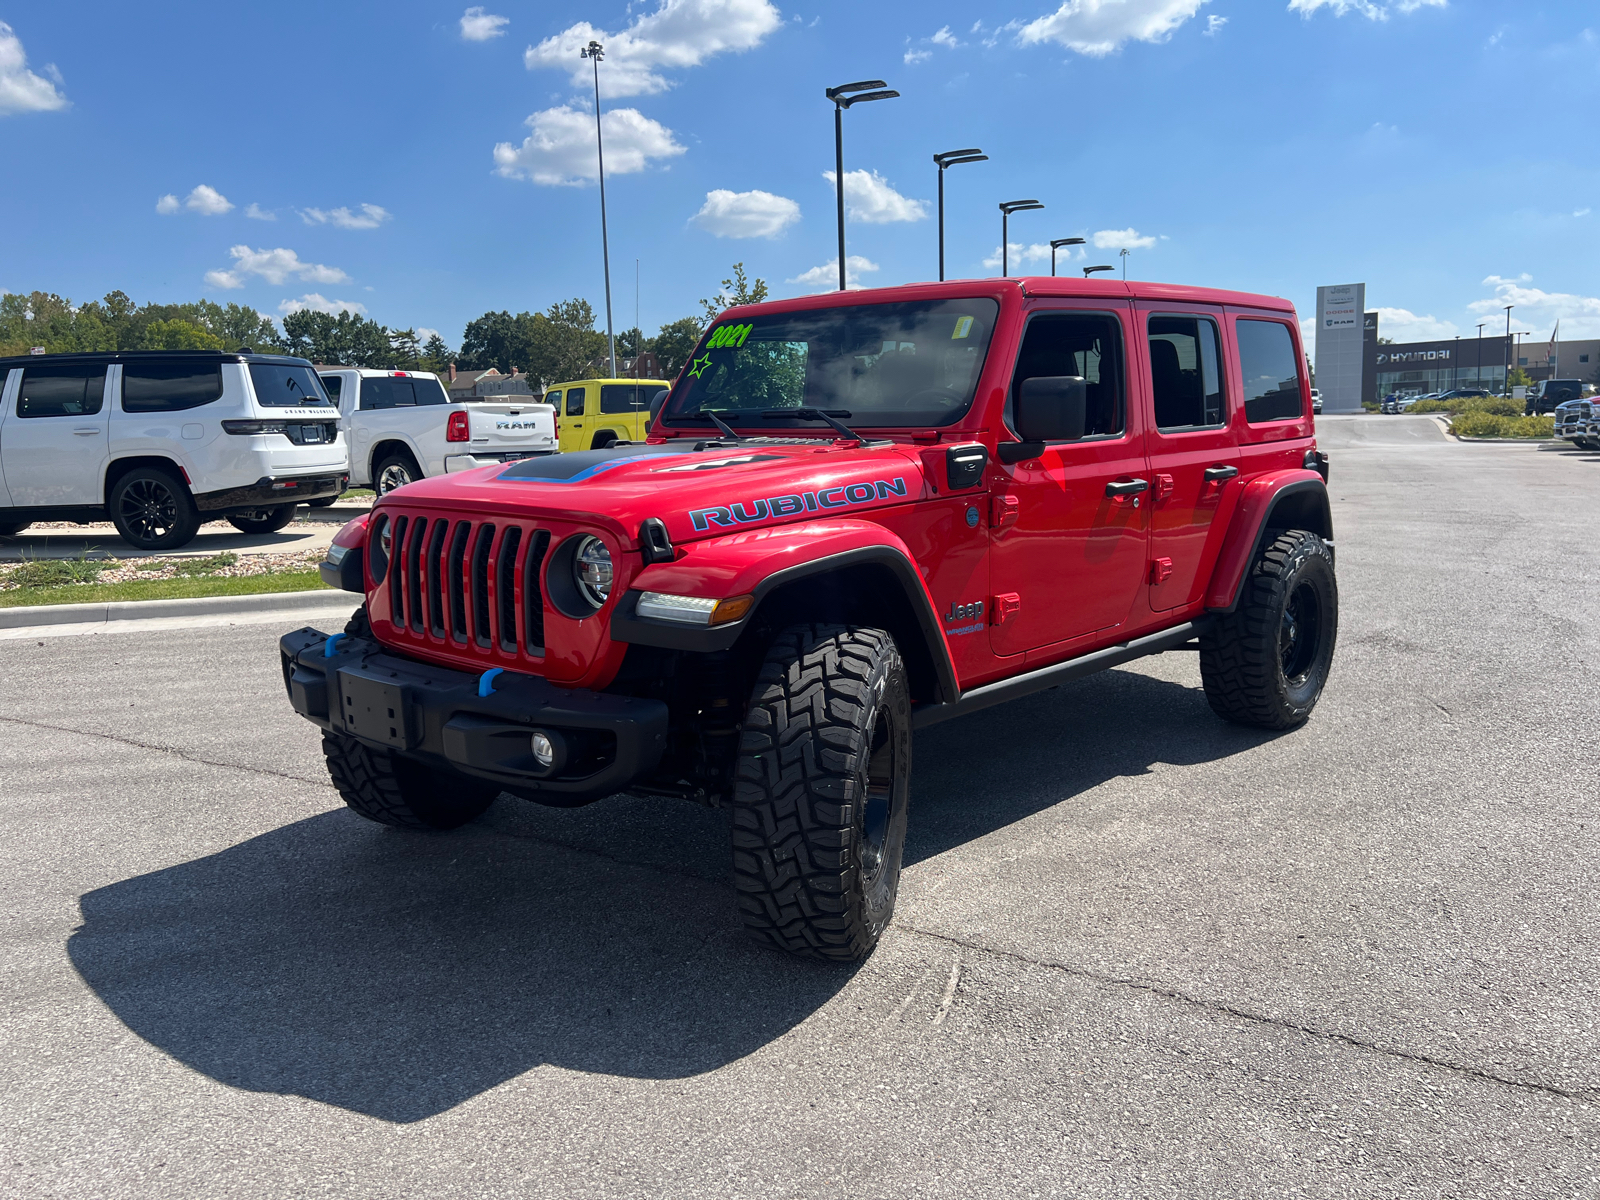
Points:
(963, 327)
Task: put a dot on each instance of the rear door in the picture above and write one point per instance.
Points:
(1194, 452)
(55, 436)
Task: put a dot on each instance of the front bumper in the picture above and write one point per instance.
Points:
(271, 491)
(481, 728)
(466, 462)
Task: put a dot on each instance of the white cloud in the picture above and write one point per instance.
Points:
(1366, 8)
(20, 89)
(1582, 212)
(207, 201)
(561, 149)
(167, 205)
(1579, 315)
(826, 277)
(1117, 239)
(256, 213)
(746, 214)
(480, 26)
(1405, 326)
(424, 333)
(318, 303)
(370, 216)
(679, 34)
(944, 38)
(1018, 253)
(1214, 25)
(274, 266)
(916, 56)
(1100, 27)
(868, 198)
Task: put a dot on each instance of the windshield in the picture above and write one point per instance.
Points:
(279, 386)
(884, 364)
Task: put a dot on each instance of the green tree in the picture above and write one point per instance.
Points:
(1518, 378)
(179, 335)
(735, 291)
(348, 339)
(436, 356)
(407, 353)
(675, 343)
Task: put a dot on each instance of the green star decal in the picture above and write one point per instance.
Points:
(699, 365)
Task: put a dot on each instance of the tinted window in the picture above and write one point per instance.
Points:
(287, 387)
(625, 398)
(60, 390)
(553, 398)
(333, 385)
(1088, 345)
(387, 392)
(1184, 378)
(428, 391)
(574, 402)
(1271, 375)
(155, 386)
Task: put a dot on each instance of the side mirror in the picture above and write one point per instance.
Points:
(656, 402)
(1047, 408)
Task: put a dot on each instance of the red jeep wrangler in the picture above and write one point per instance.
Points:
(856, 515)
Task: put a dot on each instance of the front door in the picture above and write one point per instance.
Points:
(55, 434)
(1071, 528)
(1193, 449)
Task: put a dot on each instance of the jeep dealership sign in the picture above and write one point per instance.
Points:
(1340, 311)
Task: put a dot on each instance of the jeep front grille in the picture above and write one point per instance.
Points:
(468, 583)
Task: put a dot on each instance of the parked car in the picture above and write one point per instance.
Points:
(158, 441)
(1316, 401)
(402, 426)
(1548, 393)
(1465, 394)
(1575, 421)
(596, 413)
(1405, 402)
(856, 515)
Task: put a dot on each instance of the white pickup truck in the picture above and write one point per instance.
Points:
(402, 426)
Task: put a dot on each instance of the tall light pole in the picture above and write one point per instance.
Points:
(1477, 375)
(1088, 271)
(1509, 307)
(1455, 365)
(595, 51)
(949, 159)
(842, 99)
(1056, 245)
(1008, 207)
(1123, 254)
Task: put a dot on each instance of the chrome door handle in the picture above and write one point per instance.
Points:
(1129, 488)
(1218, 474)
(85, 432)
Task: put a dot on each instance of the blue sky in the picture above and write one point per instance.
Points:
(430, 162)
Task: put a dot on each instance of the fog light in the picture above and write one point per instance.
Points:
(544, 750)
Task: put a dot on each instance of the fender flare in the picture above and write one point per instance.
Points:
(875, 546)
(1266, 496)
(391, 439)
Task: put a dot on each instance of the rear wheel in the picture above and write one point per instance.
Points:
(12, 528)
(153, 511)
(324, 501)
(262, 520)
(395, 471)
(392, 789)
(819, 806)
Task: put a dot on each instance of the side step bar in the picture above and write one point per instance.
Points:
(1058, 673)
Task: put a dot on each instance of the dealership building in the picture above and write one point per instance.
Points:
(1467, 362)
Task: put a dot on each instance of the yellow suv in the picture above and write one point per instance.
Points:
(593, 413)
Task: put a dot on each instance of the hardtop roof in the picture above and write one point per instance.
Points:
(109, 356)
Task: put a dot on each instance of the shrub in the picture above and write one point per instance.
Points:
(1433, 406)
(53, 572)
(1499, 406)
(205, 566)
(1491, 425)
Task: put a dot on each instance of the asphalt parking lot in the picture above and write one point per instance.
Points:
(1138, 952)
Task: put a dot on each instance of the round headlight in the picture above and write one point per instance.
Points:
(591, 568)
(386, 537)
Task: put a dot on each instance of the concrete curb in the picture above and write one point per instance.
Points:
(201, 606)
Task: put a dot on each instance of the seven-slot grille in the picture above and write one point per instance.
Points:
(471, 583)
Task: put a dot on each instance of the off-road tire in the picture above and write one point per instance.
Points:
(275, 519)
(395, 465)
(12, 528)
(820, 798)
(391, 789)
(152, 510)
(1265, 664)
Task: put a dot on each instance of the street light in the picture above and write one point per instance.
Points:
(595, 51)
(842, 99)
(1123, 253)
(1088, 271)
(1509, 307)
(1477, 375)
(949, 159)
(1455, 365)
(1007, 207)
(1056, 245)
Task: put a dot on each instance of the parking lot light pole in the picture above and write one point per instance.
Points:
(1477, 375)
(1007, 207)
(1123, 253)
(842, 99)
(595, 51)
(1455, 365)
(949, 159)
(1088, 271)
(1056, 245)
(1509, 307)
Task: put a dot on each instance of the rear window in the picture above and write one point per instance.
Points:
(1271, 375)
(151, 386)
(61, 390)
(280, 386)
(625, 398)
(399, 391)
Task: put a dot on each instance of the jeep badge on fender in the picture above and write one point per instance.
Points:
(756, 607)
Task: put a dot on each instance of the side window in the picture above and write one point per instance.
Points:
(1185, 380)
(1271, 375)
(1086, 344)
(386, 391)
(622, 398)
(553, 398)
(427, 391)
(153, 386)
(61, 390)
(334, 384)
(575, 402)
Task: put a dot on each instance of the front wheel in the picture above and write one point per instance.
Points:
(1265, 663)
(819, 805)
(393, 790)
(153, 511)
(264, 520)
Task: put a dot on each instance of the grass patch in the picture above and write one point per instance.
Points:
(1491, 425)
(55, 572)
(205, 566)
(165, 589)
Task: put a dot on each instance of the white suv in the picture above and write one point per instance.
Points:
(161, 440)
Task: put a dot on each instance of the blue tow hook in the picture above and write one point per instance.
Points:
(328, 646)
(486, 681)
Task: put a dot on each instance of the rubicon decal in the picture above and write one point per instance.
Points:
(748, 511)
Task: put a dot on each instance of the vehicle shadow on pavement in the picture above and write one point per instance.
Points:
(399, 975)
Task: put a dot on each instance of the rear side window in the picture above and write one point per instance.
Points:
(574, 402)
(1185, 379)
(151, 386)
(1271, 375)
(387, 392)
(1086, 344)
(60, 390)
(429, 391)
(279, 386)
(624, 398)
(333, 385)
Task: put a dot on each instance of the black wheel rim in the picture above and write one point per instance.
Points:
(877, 789)
(1300, 633)
(149, 509)
(393, 476)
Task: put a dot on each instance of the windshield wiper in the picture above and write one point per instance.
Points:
(727, 431)
(826, 416)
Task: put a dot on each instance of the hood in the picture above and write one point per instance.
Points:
(698, 493)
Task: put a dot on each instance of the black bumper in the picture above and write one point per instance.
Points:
(270, 492)
(433, 713)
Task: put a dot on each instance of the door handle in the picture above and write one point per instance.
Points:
(1128, 487)
(90, 432)
(1218, 474)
